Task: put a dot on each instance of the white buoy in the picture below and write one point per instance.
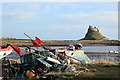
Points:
(53, 60)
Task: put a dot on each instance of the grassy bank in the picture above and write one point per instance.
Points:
(95, 71)
(20, 42)
(106, 71)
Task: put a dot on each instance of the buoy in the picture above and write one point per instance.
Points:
(30, 73)
(53, 60)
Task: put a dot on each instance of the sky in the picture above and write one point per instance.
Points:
(58, 20)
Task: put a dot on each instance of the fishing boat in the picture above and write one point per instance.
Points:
(5, 51)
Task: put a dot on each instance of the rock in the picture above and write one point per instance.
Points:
(94, 34)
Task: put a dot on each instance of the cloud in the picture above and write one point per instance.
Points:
(68, 27)
(23, 16)
(18, 16)
(26, 4)
(0, 13)
(34, 5)
(91, 18)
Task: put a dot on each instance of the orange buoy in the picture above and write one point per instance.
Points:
(30, 73)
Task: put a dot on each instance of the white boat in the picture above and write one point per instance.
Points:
(77, 53)
(5, 51)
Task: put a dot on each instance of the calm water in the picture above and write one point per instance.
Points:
(97, 48)
(101, 53)
(96, 53)
(100, 48)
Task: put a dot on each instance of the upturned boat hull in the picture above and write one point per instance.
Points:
(4, 52)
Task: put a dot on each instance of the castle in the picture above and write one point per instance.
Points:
(94, 34)
(93, 28)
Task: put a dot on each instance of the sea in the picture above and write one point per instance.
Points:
(94, 53)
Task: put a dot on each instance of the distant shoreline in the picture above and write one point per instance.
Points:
(21, 42)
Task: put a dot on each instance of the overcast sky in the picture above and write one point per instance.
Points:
(58, 20)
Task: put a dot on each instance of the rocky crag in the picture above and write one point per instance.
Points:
(94, 34)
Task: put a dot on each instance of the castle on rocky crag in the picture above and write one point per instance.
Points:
(94, 34)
